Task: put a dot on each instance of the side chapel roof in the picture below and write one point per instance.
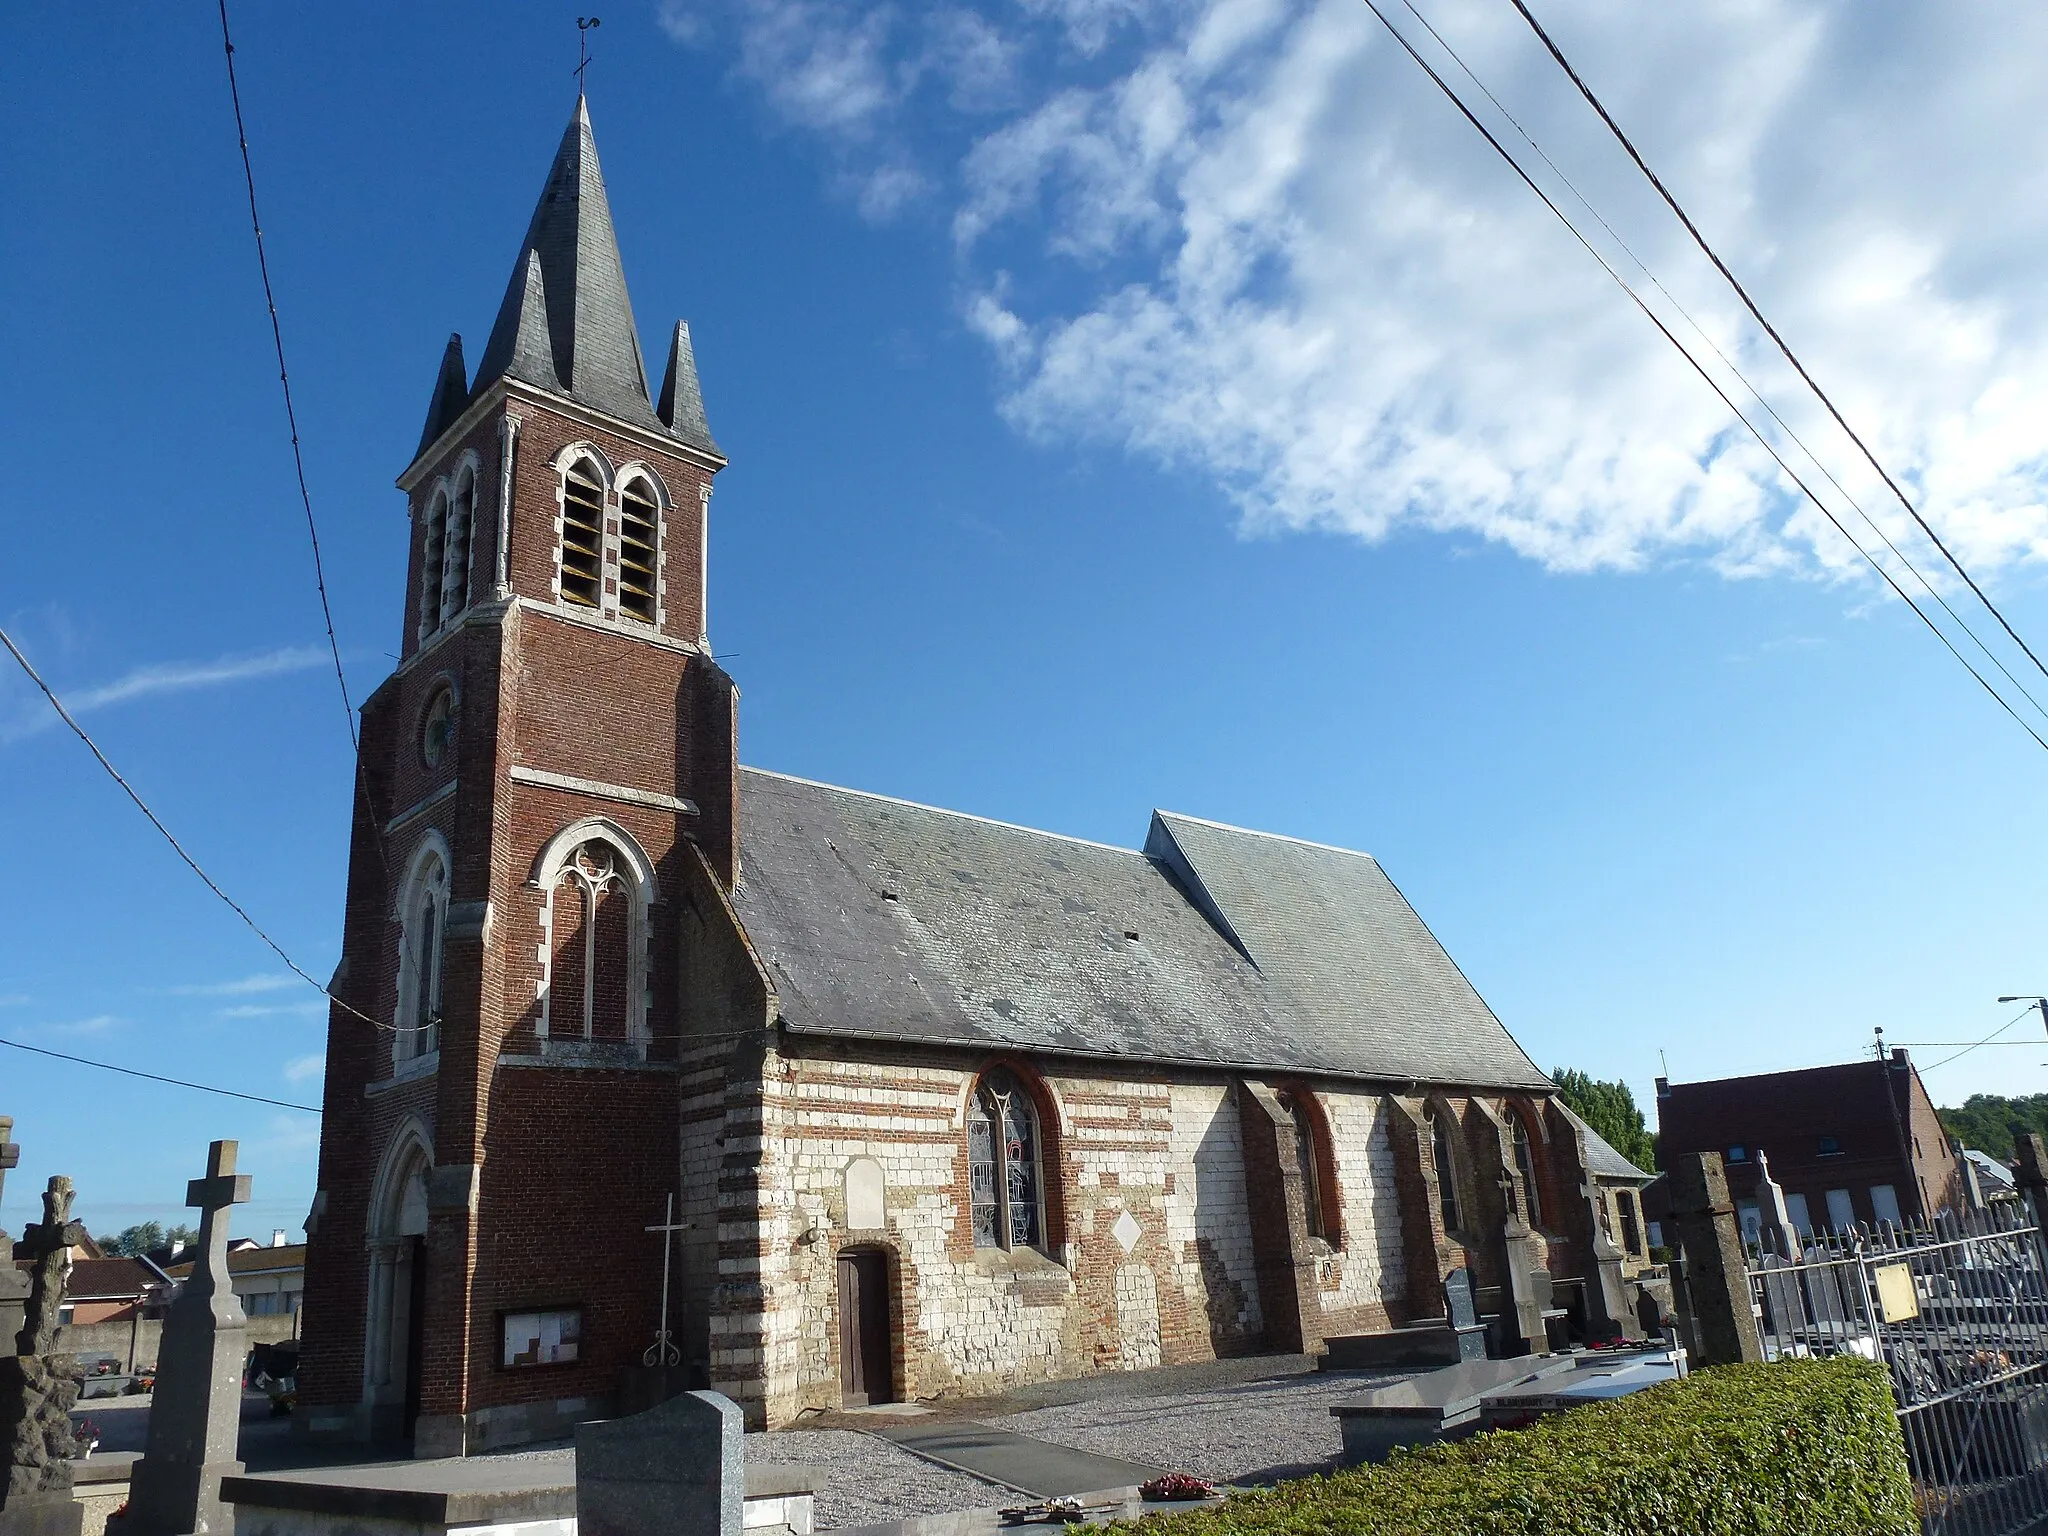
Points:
(880, 918)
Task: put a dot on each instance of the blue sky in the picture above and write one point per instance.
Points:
(1128, 406)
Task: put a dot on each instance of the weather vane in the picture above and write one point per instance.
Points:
(585, 25)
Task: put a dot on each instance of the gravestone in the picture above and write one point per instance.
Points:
(195, 1417)
(1775, 1231)
(1715, 1278)
(14, 1283)
(1463, 1316)
(38, 1385)
(1529, 1298)
(675, 1470)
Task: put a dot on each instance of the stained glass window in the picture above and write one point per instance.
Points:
(1002, 1163)
(1446, 1172)
(1525, 1165)
(981, 1172)
(1305, 1156)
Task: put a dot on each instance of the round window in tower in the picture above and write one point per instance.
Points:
(437, 733)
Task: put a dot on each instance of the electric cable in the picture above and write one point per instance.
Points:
(1733, 367)
(1712, 383)
(175, 1082)
(1988, 1039)
(176, 847)
(1770, 330)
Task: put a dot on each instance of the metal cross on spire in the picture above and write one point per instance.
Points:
(585, 25)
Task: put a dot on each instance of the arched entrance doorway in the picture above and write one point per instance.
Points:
(865, 1376)
(397, 1311)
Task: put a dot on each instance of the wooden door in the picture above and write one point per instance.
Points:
(864, 1374)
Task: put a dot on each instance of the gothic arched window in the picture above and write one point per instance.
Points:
(423, 941)
(591, 918)
(639, 546)
(1314, 1159)
(433, 555)
(583, 533)
(1005, 1195)
(454, 592)
(1446, 1171)
(1525, 1165)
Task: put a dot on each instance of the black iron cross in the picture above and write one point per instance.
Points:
(584, 26)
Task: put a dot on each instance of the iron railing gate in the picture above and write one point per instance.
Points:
(1958, 1310)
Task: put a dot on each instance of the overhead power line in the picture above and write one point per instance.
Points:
(1988, 1039)
(1728, 362)
(1711, 382)
(176, 847)
(175, 1082)
(284, 377)
(1770, 330)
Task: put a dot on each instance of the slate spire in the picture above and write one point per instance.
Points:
(682, 399)
(451, 395)
(570, 288)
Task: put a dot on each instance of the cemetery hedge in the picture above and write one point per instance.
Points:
(1801, 1448)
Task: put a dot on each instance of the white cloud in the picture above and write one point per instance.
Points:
(304, 1009)
(1248, 238)
(36, 716)
(98, 1024)
(305, 1068)
(276, 981)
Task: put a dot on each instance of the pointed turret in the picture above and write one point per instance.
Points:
(566, 303)
(451, 395)
(682, 399)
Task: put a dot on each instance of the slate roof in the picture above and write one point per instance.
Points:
(566, 322)
(880, 918)
(1603, 1160)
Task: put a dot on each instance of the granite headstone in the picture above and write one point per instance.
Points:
(676, 1470)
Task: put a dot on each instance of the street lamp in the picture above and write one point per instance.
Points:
(2035, 998)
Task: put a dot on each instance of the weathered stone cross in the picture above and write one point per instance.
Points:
(196, 1415)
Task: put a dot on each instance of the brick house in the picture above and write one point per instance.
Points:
(1851, 1145)
(944, 1104)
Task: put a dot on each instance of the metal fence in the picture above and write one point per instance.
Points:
(1958, 1310)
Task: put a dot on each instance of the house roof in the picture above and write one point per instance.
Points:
(109, 1280)
(881, 918)
(250, 1261)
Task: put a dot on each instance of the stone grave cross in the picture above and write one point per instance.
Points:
(195, 1417)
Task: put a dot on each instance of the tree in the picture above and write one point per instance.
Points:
(1610, 1109)
(1990, 1122)
(145, 1237)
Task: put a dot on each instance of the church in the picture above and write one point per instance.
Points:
(645, 1065)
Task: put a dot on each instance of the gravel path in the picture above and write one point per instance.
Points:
(1253, 1432)
(862, 1480)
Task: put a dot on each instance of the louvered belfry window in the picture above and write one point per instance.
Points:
(638, 526)
(582, 535)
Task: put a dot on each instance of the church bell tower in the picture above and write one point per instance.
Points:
(547, 770)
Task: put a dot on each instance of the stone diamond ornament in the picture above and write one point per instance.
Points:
(1126, 1231)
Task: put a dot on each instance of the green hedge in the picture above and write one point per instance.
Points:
(1802, 1448)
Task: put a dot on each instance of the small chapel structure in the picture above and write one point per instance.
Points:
(944, 1105)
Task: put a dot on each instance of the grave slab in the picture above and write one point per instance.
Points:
(524, 1495)
(1432, 1405)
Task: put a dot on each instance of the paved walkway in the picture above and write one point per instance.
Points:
(1036, 1467)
